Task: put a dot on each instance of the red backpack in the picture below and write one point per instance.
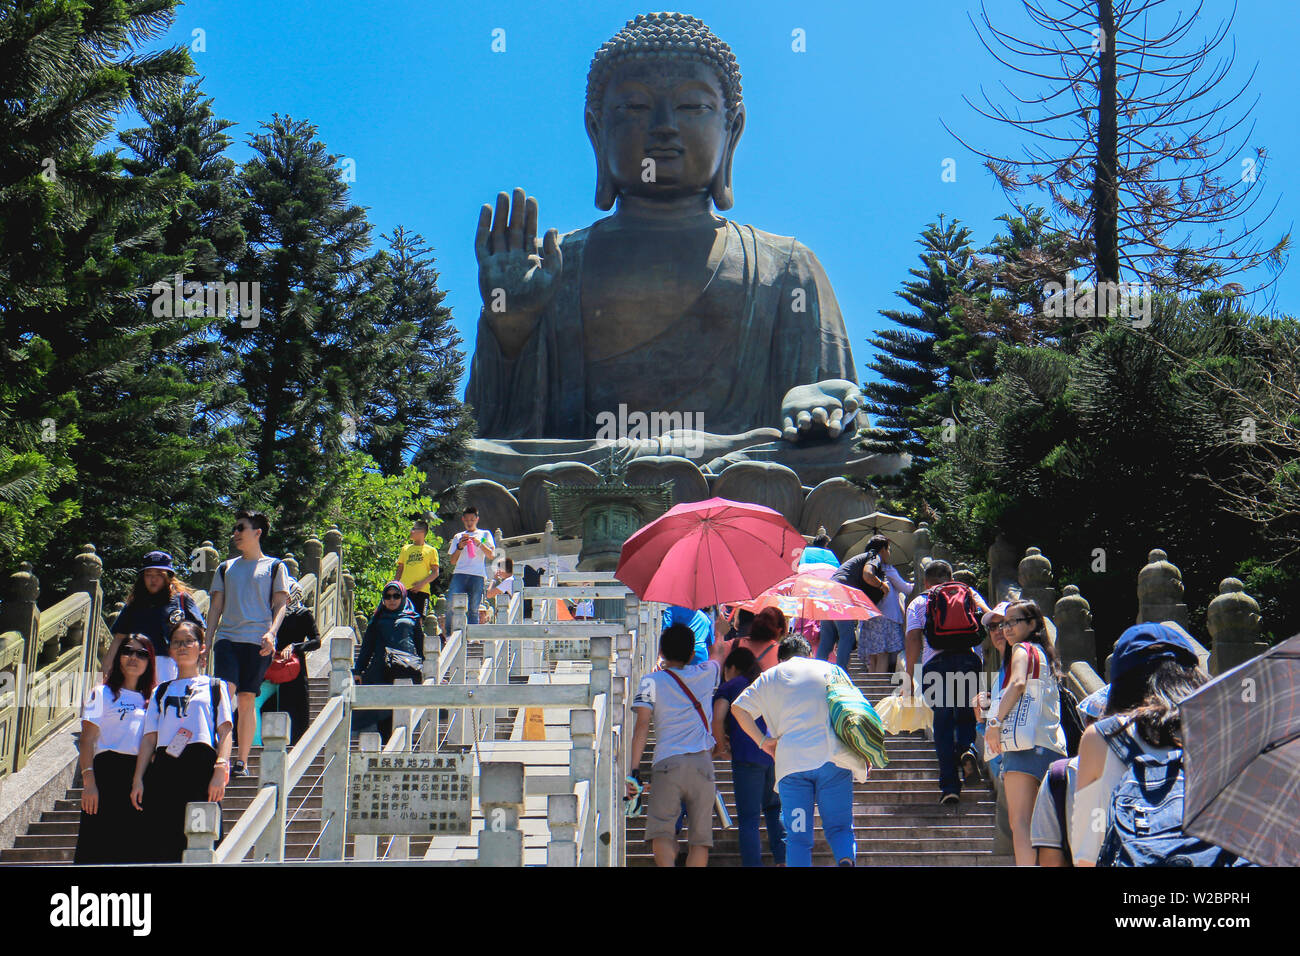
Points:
(952, 622)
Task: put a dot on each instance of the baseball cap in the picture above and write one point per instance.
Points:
(1143, 644)
(999, 611)
(158, 561)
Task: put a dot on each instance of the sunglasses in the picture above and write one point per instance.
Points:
(134, 652)
(239, 527)
(392, 596)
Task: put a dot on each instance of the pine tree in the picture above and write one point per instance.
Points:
(413, 411)
(915, 373)
(73, 258)
(314, 352)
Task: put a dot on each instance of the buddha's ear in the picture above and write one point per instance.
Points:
(605, 191)
(721, 185)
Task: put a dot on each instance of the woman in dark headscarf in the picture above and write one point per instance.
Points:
(391, 628)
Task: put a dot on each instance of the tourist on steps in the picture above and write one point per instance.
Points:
(250, 594)
(417, 569)
(813, 768)
(111, 830)
(681, 770)
(1024, 724)
(753, 772)
(392, 628)
(766, 631)
(157, 601)
(946, 640)
(297, 637)
(882, 637)
(469, 551)
(185, 752)
(866, 573)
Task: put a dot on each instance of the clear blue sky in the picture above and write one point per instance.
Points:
(843, 146)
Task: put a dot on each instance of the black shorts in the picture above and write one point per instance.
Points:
(240, 664)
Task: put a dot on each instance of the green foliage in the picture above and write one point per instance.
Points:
(374, 511)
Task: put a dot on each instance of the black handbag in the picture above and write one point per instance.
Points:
(399, 664)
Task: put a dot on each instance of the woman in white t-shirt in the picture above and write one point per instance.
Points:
(1035, 722)
(111, 830)
(185, 751)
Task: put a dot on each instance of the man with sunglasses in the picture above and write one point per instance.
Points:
(250, 594)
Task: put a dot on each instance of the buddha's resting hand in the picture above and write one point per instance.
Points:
(823, 408)
(515, 281)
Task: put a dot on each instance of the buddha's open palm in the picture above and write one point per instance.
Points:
(512, 277)
(820, 408)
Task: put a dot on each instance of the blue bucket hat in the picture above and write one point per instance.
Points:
(1144, 644)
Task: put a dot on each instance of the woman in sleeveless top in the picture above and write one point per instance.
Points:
(765, 634)
(1030, 667)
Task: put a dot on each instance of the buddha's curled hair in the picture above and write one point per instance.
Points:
(665, 34)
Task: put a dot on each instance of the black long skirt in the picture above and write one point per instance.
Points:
(169, 784)
(117, 833)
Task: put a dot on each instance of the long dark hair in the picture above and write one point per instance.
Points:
(141, 594)
(1038, 636)
(117, 677)
(1152, 695)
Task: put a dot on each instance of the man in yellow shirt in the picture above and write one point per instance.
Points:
(417, 567)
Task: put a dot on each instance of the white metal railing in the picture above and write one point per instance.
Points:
(586, 825)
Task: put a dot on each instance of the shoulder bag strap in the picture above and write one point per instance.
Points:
(687, 691)
(771, 644)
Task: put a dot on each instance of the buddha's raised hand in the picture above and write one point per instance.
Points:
(821, 408)
(515, 280)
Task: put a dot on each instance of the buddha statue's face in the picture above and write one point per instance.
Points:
(662, 131)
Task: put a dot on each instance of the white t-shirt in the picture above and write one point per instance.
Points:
(189, 704)
(120, 719)
(248, 590)
(468, 564)
(791, 699)
(916, 621)
(678, 727)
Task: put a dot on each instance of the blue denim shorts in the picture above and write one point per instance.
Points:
(1034, 762)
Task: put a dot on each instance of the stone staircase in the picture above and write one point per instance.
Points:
(897, 818)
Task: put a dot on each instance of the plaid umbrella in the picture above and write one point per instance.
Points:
(1242, 758)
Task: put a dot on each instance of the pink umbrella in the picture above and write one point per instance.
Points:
(702, 553)
(815, 598)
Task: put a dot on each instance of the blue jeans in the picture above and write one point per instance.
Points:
(471, 584)
(755, 798)
(842, 634)
(954, 724)
(831, 787)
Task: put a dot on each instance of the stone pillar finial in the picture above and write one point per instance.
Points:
(1160, 591)
(1075, 639)
(922, 546)
(313, 551)
(89, 566)
(1233, 620)
(291, 563)
(204, 561)
(1035, 576)
(334, 539)
(1003, 569)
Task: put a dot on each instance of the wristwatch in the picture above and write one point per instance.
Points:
(992, 722)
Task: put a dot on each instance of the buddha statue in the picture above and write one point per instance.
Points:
(663, 308)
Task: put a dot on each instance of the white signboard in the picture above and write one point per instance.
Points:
(409, 793)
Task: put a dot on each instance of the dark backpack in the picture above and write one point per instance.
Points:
(1071, 722)
(1144, 825)
(952, 622)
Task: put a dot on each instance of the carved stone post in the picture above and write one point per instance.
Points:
(1035, 575)
(562, 822)
(582, 766)
(87, 570)
(1160, 591)
(334, 545)
(1075, 639)
(501, 796)
(334, 794)
(273, 772)
(365, 846)
(203, 566)
(1233, 620)
(922, 543)
(552, 558)
(1003, 570)
(965, 575)
(202, 824)
(313, 551)
(291, 564)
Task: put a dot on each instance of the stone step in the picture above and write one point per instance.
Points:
(864, 858)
